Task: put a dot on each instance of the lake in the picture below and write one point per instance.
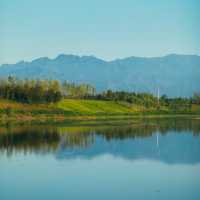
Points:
(138, 159)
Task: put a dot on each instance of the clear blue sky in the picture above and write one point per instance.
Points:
(108, 29)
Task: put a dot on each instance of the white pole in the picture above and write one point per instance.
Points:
(158, 94)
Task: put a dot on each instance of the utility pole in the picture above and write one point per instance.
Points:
(158, 97)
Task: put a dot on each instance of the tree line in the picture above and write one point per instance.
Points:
(42, 91)
(149, 100)
(46, 91)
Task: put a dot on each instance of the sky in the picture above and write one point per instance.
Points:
(108, 29)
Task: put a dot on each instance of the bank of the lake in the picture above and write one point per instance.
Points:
(76, 109)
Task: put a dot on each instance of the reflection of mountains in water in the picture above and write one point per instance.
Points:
(172, 148)
(170, 141)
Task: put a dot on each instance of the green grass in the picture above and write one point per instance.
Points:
(93, 107)
(100, 107)
(76, 109)
(69, 107)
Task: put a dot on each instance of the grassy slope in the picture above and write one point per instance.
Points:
(97, 107)
(68, 107)
(77, 108)
(94, 107)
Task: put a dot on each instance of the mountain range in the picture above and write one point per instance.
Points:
(174, 75)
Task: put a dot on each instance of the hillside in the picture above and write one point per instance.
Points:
(81, 110)
(69, 107)
(175, 75)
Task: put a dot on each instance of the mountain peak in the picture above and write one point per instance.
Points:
(66, 56)
(41, 59)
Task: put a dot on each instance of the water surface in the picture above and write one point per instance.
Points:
(149, 159)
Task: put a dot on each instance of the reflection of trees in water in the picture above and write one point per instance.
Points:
(80, 139)
(50, 138)
(26, 139)
(179, 125)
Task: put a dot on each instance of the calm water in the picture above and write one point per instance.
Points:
(152, 159)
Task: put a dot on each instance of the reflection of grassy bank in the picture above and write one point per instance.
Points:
(90, 120)
(81, 110)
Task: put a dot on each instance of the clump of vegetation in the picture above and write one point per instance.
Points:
(42, 91)
(150, 101)
(78, 91)
(30, 91)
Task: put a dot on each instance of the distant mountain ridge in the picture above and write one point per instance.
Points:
(174, 75)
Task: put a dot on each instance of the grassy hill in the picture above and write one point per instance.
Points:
(79, 109)
(69, 107)
(96, 107)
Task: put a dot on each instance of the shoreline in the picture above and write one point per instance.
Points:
(22, 119)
